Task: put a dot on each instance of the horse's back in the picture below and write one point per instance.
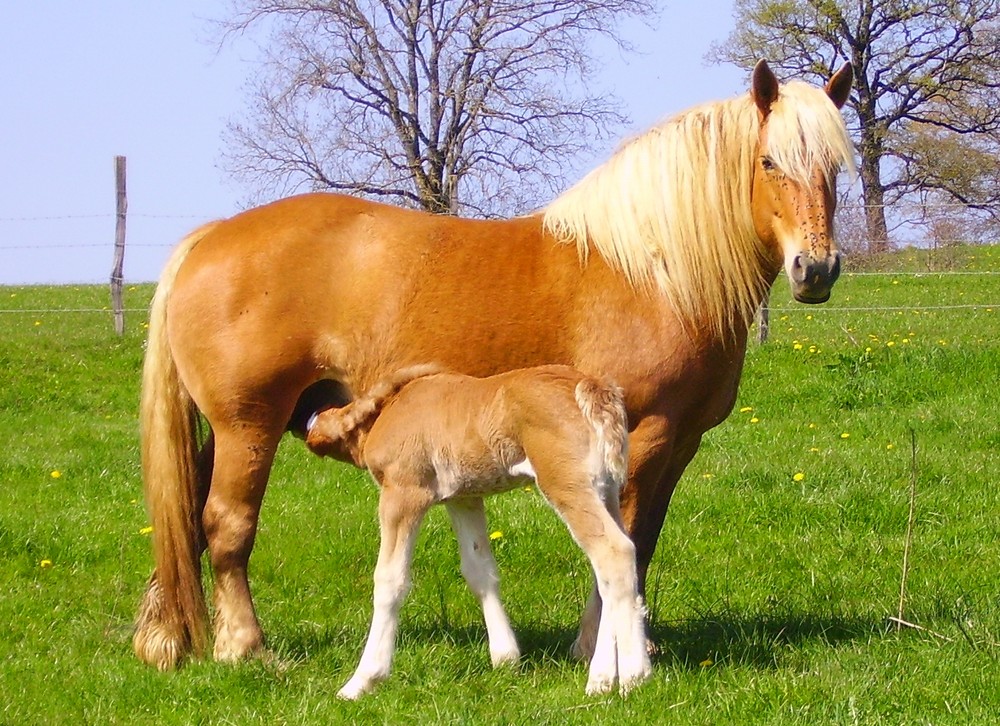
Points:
(333, 283)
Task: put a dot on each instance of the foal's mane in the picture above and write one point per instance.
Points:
(671, 208)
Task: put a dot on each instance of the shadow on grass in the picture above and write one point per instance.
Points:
(754, 640)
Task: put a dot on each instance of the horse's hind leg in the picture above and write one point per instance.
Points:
(620, 650)
(647, 464)
(401, 508)
(242, 463)
(468, 520)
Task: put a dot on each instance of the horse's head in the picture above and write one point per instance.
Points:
(802, 145)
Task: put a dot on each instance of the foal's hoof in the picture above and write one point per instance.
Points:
(628, 683)
(600, 686)
(353, 690)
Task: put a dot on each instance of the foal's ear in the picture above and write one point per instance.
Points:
(838, 88)
(763, 87)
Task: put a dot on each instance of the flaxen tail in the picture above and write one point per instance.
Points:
(603, 405)
(334, 432)
(172, 620)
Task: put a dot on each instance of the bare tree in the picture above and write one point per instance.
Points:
(469, 106)
(927, 66)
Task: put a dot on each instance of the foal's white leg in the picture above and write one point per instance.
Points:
(628, 616)
(620, 648)
(400, 514)
(620, 652)
(468, 520)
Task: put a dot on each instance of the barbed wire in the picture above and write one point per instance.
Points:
(847, 255)
(105, 215)
(941, 273)
(987, 307)
(887, 308)
(131, 245)
(44, 311)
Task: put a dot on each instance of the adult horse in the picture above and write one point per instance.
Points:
(648, 272)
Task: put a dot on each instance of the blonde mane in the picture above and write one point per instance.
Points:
(671, 208)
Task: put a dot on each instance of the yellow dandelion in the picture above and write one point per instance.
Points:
(146, 530)
(754, 420)
(706, 663)
(890, 344)
(814, 449)
(495, 535)
(45, 563)
(38, 322)
(812, 425)
(868, 349)
(845, 435)
(56, 474)
(706, 475)
(809, 317)
(746, 409)
(798, 476)
(890, 447)
(797, 346)
(527, 489)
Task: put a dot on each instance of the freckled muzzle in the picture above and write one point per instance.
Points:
(812, 279)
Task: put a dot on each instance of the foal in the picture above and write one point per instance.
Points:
(429, 437)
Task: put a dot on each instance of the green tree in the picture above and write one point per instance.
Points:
(468, 106)
(923, 67)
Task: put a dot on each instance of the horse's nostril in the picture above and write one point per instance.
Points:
(835, 267)
(798, 272)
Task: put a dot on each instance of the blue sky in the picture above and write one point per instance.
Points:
(84, 81)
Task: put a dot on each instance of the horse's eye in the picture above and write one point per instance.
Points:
(766, 163)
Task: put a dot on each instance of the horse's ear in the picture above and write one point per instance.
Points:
(838, 88)
(763, 87)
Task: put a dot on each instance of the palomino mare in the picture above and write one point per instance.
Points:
(647, 271)
(429, 437)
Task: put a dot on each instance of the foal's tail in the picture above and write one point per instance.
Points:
(603, 405)
(335, 432)
(172, 619)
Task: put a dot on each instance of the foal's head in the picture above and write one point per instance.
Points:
(802, 145)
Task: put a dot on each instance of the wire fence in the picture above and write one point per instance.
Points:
(941, 245)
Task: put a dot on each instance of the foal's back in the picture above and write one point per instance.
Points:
(477, 436)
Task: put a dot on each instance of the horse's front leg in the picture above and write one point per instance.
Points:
(468, 520)
(402, 505)
(242, 463)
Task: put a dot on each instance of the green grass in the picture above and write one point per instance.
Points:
(769, 595)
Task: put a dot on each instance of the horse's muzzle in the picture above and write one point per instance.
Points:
(812, 279)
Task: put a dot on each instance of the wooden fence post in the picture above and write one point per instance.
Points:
(764, 319)
(117, 277)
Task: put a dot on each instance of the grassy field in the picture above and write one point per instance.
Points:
(770, 595)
